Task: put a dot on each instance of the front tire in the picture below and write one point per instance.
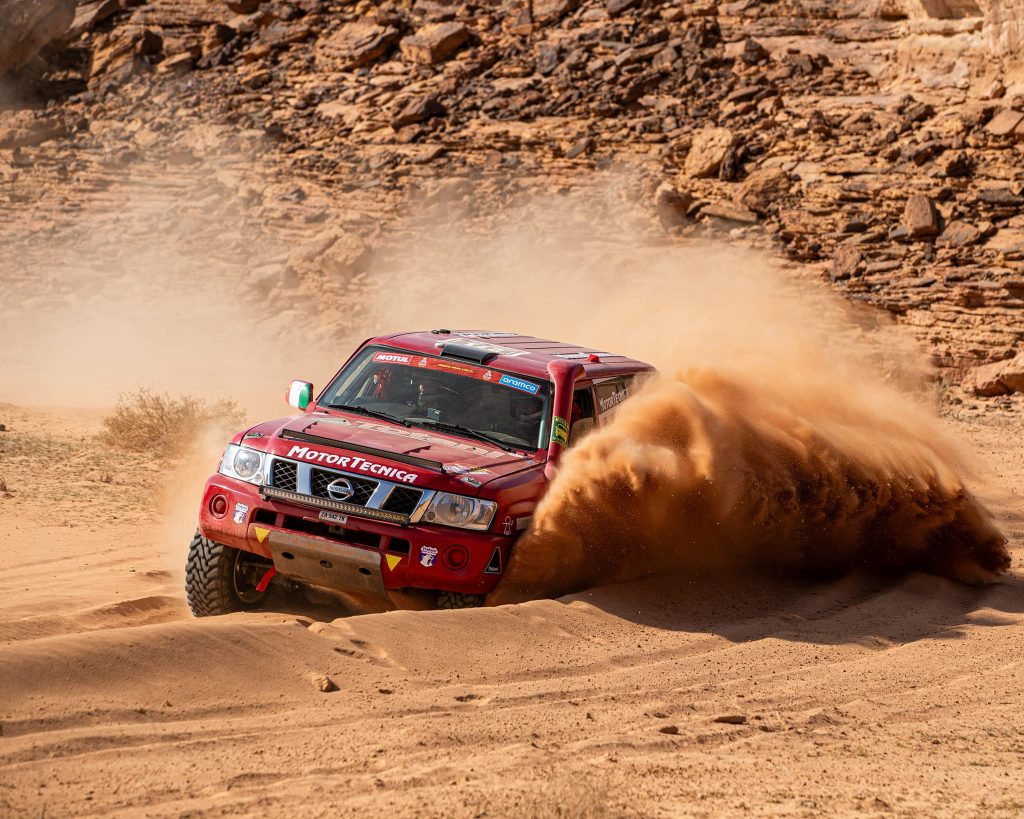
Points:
(220, 579)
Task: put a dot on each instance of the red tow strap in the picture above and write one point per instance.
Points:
(262, 585)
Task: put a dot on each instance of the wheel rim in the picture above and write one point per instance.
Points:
(247, 574)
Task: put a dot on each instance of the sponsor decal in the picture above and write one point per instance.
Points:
(392, 561)
(494, 564)
(459, 469)
(467, 370)
(485, 334)
(393, 358)
(612, 401)
(507, 524)
(253, 435)
(577, 356)
(241, 510)
(471, 481)
(428, 554)
(519, 384)
(352, 462)
(334, 517)
(559, 431)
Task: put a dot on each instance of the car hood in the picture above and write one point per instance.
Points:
(435, 458)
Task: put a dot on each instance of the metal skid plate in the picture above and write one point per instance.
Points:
(333, 565)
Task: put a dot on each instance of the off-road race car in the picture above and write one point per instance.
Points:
(412, 473)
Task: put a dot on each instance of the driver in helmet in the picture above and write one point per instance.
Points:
(527, 411)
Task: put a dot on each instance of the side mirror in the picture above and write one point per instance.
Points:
(300, 393)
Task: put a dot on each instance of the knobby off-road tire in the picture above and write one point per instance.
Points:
(457, 600)
(220, 579)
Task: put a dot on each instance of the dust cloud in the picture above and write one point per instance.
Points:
(788, 430)
(168, 283)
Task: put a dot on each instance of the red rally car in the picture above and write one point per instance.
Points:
(415, 469)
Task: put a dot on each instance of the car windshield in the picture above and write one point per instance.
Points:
(458, 397)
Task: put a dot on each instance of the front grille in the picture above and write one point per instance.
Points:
(403, 500)
(363, 489)
(285, 475)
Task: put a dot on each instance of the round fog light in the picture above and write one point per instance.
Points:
(218, 506)
(455, 557)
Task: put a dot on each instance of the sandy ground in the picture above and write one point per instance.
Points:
(878, 696)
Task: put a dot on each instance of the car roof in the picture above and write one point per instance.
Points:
(517, 353)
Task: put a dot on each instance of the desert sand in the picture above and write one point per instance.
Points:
(692, 695)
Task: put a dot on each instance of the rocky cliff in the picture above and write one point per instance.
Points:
(875, 145)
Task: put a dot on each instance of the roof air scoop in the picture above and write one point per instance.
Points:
(467, 352)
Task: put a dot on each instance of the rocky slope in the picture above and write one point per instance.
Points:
(875, 145)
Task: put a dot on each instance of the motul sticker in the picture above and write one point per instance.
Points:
(393, 358)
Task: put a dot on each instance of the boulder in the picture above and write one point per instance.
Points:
(27, 26)
(920, 217)
(23, 129)
(671, 205)
(418, 109)
(729, 212)
(847, 262)
(435, 43)
(708, 151)
(358, 44)
(959, 234)
(551, 11)
(763, 188)
(244, 6)
(1005, 122)
(1001, 378)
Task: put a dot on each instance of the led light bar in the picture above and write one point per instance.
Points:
(333, 505)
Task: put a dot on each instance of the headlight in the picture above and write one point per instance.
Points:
(242, 463)
(461, 511)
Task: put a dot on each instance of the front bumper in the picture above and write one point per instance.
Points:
(396, 556)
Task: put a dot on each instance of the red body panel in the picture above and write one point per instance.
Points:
(421, 458)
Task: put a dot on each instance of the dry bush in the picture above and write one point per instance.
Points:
(144, 421)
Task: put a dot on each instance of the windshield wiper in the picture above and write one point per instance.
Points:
(372, 413)
(466, 431)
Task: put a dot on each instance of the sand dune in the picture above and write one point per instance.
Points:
(894, 697)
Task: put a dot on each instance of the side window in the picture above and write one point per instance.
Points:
(582, 414)
(610, 394)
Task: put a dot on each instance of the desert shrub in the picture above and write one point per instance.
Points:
(144, 421)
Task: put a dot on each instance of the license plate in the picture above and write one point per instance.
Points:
(334, 517)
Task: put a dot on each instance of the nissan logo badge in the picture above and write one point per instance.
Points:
(340, 490)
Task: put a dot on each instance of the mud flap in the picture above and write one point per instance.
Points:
(333, 565)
